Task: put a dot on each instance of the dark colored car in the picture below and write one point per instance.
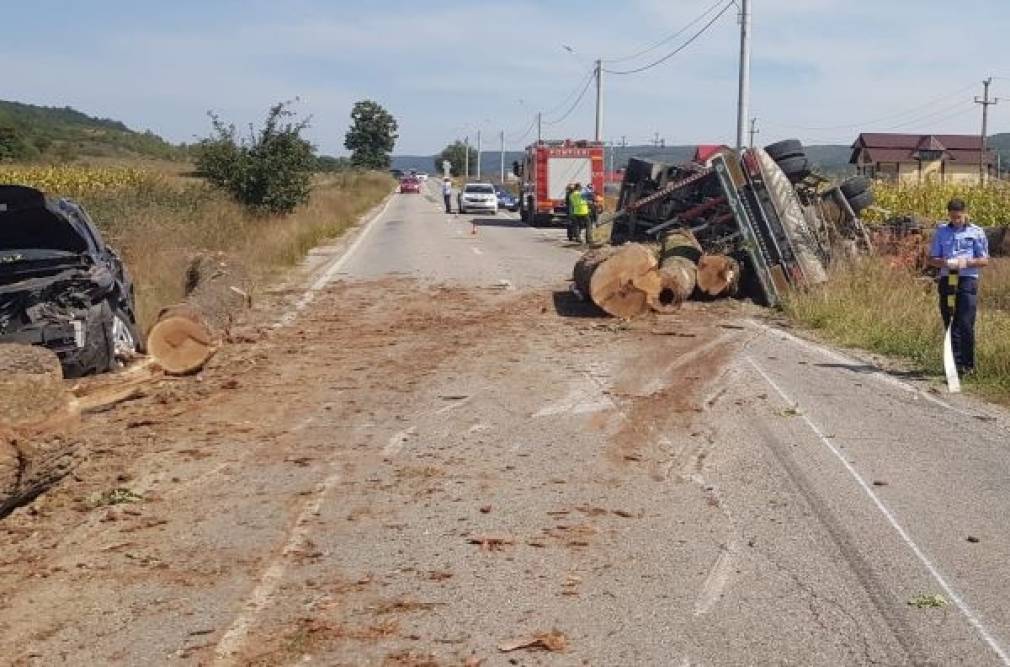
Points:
(61, 287)
(410, 185)
(506, 199)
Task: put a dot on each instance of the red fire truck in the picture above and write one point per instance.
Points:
(549, 166)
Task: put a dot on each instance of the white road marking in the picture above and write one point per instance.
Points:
(715, 582)
(967, 611)
(397, 441)
(333, 269)
(476, 250)
(579, 400)
(231, 641)
(880, 376)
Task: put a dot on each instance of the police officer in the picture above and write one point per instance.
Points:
(961, 247)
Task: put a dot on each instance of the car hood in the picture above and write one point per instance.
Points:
(29, 220)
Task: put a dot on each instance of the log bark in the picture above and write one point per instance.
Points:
(680, 243)
(38, 417)
(717, 276)
(619, 280)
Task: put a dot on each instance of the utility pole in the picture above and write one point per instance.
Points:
(753, 131)
(539, 120)
(502, 136)
(986, 103)
(599, 100)
(478, 155)
(466, 160)
(743, 99)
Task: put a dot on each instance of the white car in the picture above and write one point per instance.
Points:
(421, 176)
(478, 197)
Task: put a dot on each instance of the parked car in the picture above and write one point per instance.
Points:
(410, 185)
(506, 199)
(478, 197)
(422, 176)
(61, 287)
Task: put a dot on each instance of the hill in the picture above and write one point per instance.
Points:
(31, 132)
(829, 159)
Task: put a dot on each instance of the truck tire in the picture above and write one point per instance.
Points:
(784, 149)
(796, 167)
(854, 186)
(861, 201)
(639, 170)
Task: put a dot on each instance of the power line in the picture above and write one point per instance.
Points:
(574, 104)
(932, 116)
(679, 48)
(533, 122)
(891, 116)
(666, 39)
(563, 102)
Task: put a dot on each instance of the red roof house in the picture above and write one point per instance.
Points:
(922, 157)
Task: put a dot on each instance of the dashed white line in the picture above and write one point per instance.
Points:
(967, 611)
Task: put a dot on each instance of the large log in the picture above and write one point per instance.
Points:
(680, 243)
(717, 276)
(184, 336)
(37, 419)
(619, 280)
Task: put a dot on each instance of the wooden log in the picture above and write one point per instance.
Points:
(618, 279)
(37, 419)
(180, 341)
(717, 276)
(680, 243)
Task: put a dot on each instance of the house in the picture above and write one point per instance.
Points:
(919, 158)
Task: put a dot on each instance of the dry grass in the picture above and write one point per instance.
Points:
(872, 306)
(159, 226)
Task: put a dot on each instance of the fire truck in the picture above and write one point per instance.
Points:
(547, 168)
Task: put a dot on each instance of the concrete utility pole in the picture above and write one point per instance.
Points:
(753, 131)
(466, 160)
(501, 135)
(599, 100)
(743, 100)
(478, 155)
(539, 120)
(986, 103)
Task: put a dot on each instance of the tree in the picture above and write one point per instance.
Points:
(455, 153)
(270, 171)
(372, 135)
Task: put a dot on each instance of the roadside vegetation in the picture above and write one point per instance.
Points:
(886, 305)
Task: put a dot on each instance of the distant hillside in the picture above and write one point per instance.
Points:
(30, 132)
(831, 160)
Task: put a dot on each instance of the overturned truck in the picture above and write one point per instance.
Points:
(762, 210)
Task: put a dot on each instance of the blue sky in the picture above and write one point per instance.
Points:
(823, 70)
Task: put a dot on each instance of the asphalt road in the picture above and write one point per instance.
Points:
(438, 452)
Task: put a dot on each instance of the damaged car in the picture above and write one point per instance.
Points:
(61, 286)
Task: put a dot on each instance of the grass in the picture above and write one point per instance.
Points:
(894, 312)
(159, 224)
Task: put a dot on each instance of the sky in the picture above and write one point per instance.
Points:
(822, 70)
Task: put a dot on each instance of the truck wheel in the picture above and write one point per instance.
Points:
(639, 170)
(796, 168)
(861, 201)
(854, 186)
(784, 149)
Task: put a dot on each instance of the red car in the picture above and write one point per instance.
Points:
(410, 185)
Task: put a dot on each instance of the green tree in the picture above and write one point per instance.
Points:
(372, 135)
(455, 153)
(270, 171)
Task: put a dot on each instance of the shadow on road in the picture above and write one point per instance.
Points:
(498, 222)
(867, 369)
(566, 304)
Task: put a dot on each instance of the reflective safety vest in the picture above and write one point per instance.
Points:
(576, 204)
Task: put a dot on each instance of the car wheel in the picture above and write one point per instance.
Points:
(784, 149)
(125, 339)
(796, 168)
(854, 186)
(861, 201)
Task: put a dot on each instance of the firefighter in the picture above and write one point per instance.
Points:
(589, 195)
(578, 213)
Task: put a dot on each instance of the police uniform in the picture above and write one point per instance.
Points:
(968, 242)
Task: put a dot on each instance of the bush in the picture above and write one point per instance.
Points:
(271, 171)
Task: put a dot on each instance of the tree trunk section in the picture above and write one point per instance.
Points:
(180, 341)
(680, 243)
(717, 276)
(619, 280)
(37, 419)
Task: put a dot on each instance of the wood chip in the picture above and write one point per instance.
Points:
(547, 641)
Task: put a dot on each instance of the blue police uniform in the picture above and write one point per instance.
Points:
(969, 242)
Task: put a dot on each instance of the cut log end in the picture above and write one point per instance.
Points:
(180, 343)
(717, 276)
